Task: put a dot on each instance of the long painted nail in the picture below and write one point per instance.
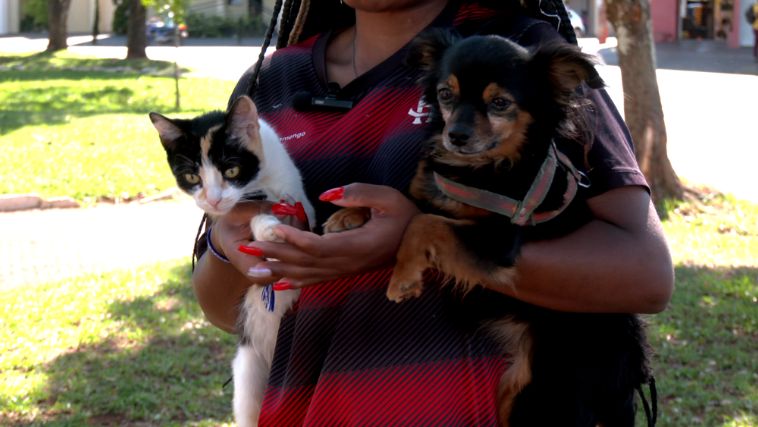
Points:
(259, 272)
(282, 285)
(332, 195)
(250, 250)
(283, 208)
(300, 212)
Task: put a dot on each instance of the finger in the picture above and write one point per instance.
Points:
(379, 197)
(304, 247)
(243, 211)
(297, 275)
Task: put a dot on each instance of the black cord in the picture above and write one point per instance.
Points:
(196, 252)
(253, 79)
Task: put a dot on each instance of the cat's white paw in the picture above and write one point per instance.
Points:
(263, 228)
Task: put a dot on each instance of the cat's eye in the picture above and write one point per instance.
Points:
(232, 172)
(191, 178)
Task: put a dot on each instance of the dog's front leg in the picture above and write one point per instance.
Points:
(429, 241)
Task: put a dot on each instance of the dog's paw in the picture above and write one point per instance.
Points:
(405, 286)
(263, 228)
(347, 219)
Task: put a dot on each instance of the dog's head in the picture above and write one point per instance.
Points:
(493, 95)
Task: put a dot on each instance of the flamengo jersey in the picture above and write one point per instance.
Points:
(345, 354)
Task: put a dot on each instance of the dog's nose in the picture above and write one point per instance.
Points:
(458, 137)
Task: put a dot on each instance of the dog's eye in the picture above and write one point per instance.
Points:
(444, 94)
(500, 104)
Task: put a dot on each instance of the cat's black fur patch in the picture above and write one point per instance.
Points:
(226, 151)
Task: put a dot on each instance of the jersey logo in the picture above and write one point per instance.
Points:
(421, 111)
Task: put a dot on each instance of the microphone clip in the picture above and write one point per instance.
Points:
(330, 101)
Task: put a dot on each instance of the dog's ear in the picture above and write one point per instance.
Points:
(568, 66)
(426, 50)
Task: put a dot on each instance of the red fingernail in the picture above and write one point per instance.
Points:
(284, 208)
(282, 285)
(250, 250)
(300, 212)
(333, 194)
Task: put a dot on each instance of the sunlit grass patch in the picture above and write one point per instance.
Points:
(706, 362)
(78, 127)
(129, 345)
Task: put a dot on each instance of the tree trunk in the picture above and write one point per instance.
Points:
(642, 102)
(254, 8)
(57, 22)
(96, 23)
(136, 39)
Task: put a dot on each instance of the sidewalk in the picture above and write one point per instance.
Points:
(709, 113)
(46, 245)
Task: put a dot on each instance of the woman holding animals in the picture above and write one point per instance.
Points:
(346, 355)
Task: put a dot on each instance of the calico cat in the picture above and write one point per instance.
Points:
(221, 159)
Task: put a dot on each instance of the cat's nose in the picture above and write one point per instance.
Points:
(213, 201)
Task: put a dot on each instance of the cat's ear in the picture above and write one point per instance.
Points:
(168, 131)
(243, 118)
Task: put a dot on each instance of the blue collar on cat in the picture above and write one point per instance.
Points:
(268, 296)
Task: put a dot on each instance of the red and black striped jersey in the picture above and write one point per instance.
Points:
(345, 354)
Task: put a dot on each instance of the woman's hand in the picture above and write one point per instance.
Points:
(306, 258)
(233, 230)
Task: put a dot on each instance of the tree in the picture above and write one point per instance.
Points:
(642, 102)
(254, 8)
(57, 22)
(136, 39)
(96, 22)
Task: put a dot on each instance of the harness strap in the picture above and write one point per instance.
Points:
(520, 212)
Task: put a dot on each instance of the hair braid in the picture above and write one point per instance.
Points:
(253, 79)
(285, 24)
(297, 27)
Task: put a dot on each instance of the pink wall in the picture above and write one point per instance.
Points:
(664, 15)
(733, 39)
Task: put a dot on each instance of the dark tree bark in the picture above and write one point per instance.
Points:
(57, 22)
(96, 23)
(642, 102)
(254, 8)
(136, 39)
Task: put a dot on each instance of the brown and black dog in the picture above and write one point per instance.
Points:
(491, 178)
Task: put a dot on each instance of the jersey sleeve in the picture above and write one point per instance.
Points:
(611, 162)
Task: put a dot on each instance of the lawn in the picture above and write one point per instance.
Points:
(131, 347)
(78, 127)
(122, 348)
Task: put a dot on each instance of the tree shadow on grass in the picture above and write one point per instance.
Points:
(705, 363)
(59, 109)
(109, 89)
(174, 377)
(46, 65)
(704, 342)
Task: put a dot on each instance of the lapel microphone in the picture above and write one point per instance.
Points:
(305, 101)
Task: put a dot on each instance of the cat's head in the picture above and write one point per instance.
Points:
(216, 157)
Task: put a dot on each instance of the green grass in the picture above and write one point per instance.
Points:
(132, 347)
(78, 127)
(706, 341)
(119, 348)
